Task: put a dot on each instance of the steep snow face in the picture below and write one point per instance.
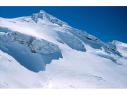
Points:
(121, 47)
(56, 55)
(12, 74)
(94, 42)
(32, 53)
(71, 40)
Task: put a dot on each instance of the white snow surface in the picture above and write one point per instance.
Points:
(41, 51)
(13, 75)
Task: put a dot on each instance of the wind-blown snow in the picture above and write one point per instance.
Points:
(49, 53)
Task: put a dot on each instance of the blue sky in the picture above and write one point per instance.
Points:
(107, 23)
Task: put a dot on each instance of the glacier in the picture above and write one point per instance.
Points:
(49, 53)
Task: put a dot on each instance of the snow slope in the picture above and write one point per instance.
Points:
(51, 54)
(13, 75)
(121, 47)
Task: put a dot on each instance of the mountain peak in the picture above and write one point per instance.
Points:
(44, 16)
(39, 15)
(42, 11)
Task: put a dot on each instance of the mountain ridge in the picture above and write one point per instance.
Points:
(45, 45)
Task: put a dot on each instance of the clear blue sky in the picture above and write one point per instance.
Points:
(107, 23)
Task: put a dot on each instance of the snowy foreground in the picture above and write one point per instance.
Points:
(41, 51)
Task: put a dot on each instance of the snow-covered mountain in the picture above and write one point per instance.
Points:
(41, 51)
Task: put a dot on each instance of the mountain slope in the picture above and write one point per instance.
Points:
(56, 55)
(12, 75)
